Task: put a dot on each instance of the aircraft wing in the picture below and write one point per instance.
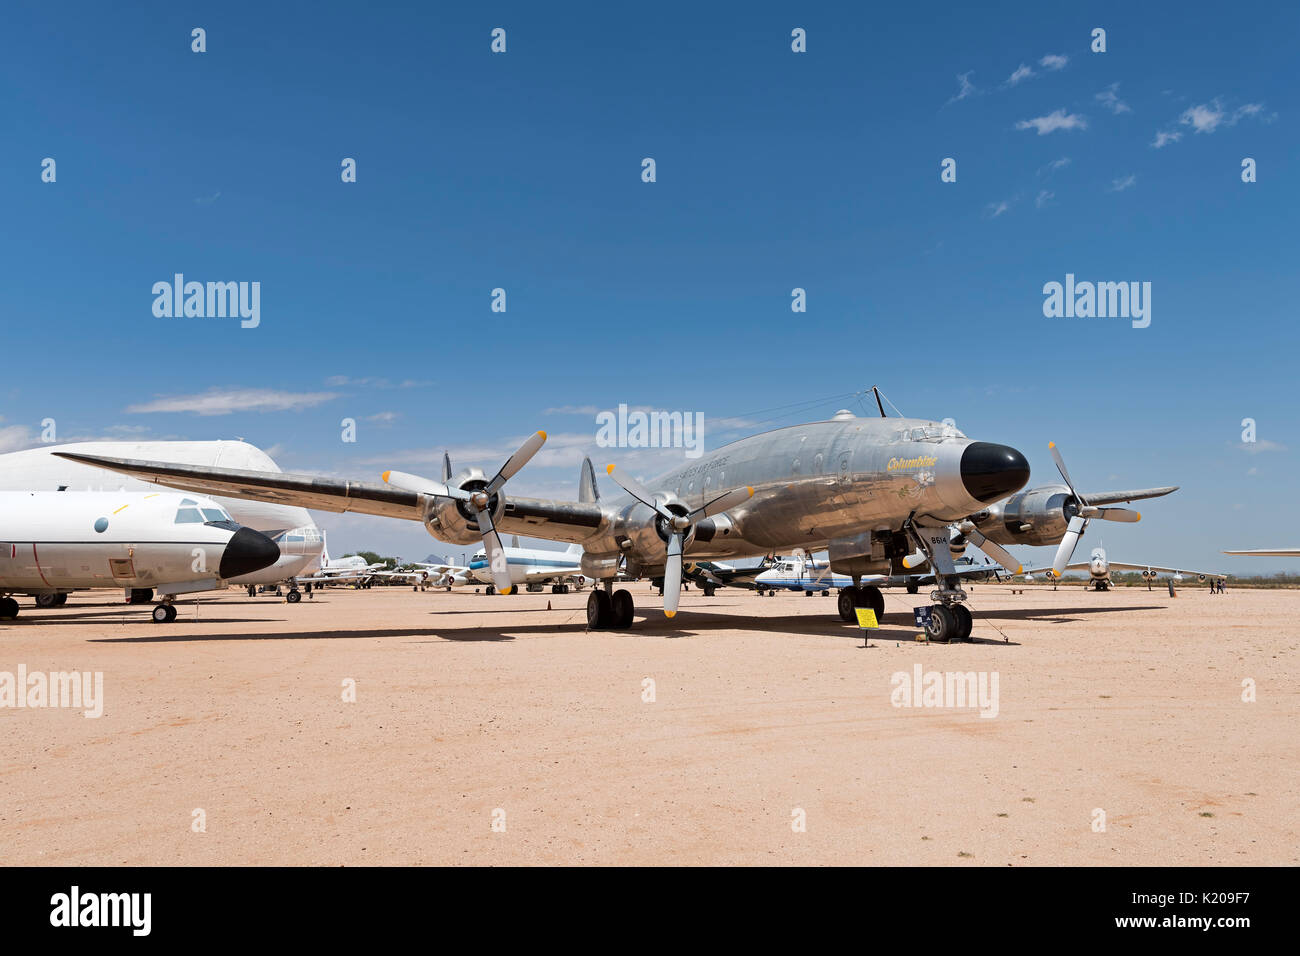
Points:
(1275, 552)
(1077, 566)
(546, 574)
(325, 494)
(568, 521)
(1155, 567)
(1115, 497)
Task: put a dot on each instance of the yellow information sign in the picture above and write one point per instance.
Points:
(866, 617)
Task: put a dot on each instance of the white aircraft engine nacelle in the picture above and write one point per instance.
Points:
(454, 521)
(1036, 517)
(1200, 578)
(1178, 578)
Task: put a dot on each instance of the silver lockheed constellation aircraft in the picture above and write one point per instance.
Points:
(868, 491)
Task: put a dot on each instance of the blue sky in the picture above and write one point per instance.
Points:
(775, 170)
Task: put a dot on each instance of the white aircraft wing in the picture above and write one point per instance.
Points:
(1155, 567)
(1274, 552)
(555, 571)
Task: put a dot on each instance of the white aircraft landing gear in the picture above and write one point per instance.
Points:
(164, 613)
(294, 596)
(950, 619)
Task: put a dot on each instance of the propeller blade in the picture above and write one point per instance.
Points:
(914, 560)
(426, 486)
(1066, 550)
(495, 553)
(1060, 466)
(724, 502)
(638, 491)
(673, 574)
(516, 461)
(994, 550)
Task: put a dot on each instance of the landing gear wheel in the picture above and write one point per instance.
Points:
(598, 609)
(47, 600)
(622, 608)
(164, 614)
(252, 590)
(294, 596)
(708, 590)
(872, 597)
(846, 606)
(8, 609)
(965, 623)
(490, 589)
(61, 600)
(943, 624)
(913, 587)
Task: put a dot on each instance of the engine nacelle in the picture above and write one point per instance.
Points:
(455, 521)
(1038, 516)
(647, 532)
(599, 565)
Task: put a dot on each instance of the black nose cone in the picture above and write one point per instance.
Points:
(246, 552)
(990, 471)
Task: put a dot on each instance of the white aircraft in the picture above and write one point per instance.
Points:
(60, 541)
(291, 527)
(532, 567)
(422, 575)
(352, 569)
(1099, 567)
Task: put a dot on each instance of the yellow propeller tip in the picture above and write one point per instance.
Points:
(543, 434)
(1139, 516)
(1051, 444)
(751, 490)
(669, 613)
(507, 590)
(1020, 569)
(385, 476)
(609, 469)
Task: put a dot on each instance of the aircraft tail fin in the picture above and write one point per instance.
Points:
(446, 467)
(324, 549)
(588, 493)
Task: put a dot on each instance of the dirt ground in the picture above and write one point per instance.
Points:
(747, 730)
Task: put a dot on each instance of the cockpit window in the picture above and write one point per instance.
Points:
(936, 432)
(189, 516)
(215, 514)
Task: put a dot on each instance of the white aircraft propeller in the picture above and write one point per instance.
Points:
(479, 500)
(678, 527)
(1079, 521)
(994, 550)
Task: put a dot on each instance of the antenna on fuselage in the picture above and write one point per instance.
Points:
(875, 390)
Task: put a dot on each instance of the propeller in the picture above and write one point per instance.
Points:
(479, 500)
(678, 526)
(1079, 520)
(994, 550)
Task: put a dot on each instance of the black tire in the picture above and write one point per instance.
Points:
(965, 623)
(622, 609)
(709, 590)
(47, 600)
(8, 609)
(598, 609)
(847, 607)
(913, 587)
(160, 615)
(61, 600)
(875, 599)
(943, 624)
(294, 596)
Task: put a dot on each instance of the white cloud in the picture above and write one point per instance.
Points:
(1022, 73)
(1058, 119)
(224, 402)
(1043, 198)
(1054, 61)
(965, 87)
(572, 410)
(15, 437)
(343, 381)
(1163, 138)
(1203, 118)
(1255, 447)
(1123, 183)
(384, 417)
(1109, 98)
(995, 209)
(1208, 117)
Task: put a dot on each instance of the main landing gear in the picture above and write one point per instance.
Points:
(853, 598)
(57, 599)
(294, 596)
(8, 609)
(949, 622)
(606, 611)
(164, 613)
